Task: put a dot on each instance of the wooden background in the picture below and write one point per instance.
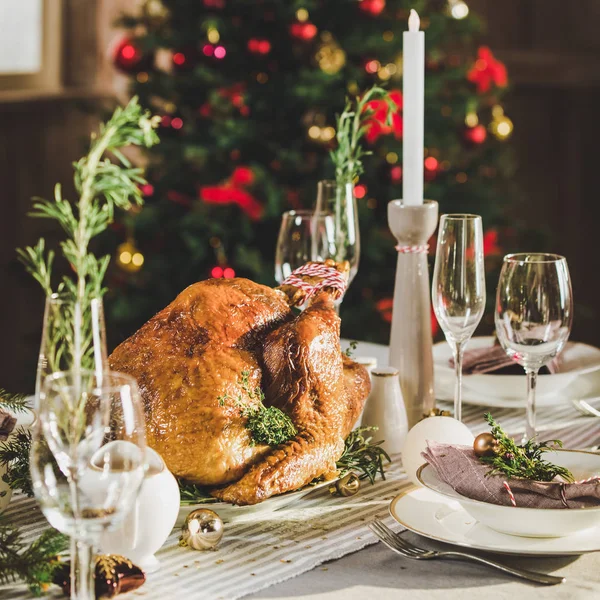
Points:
(552, 51)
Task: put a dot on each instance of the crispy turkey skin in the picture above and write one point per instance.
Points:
(192, 354)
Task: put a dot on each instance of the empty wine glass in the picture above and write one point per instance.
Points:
(303, 236)
(458, 287)
(534, 312)
(87, 460)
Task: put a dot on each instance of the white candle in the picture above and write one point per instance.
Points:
(413, 83)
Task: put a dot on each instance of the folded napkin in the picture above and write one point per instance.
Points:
(7, 424)
(494, 358)
(460, 469)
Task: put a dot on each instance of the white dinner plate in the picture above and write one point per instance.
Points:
(576, 360)
(435, 517)
(228, 511)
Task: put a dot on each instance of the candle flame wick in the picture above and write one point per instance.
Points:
(414, 22)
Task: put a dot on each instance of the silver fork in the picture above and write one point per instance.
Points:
(401, 546)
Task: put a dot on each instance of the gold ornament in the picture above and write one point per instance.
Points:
(329, 56)
(202, 530)
(437, 412)
(129, 258)
(346, 486)
(501, 126)
(154, 10)
(485, 444)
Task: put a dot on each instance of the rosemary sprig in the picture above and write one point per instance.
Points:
(267, 425)
(524, 462)
(362, 455)
(351, 126)
(34, 564)
(192, 493)
(14, 454)
(15, 402)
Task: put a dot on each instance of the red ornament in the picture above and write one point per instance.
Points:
(228, 273)
(216, 272)
(490, 243)
(396, 174)
(376, 112)
(360, 191)
(486, 71)
(226, 194)
(372, 7)
(147, 189)
(242, 177)
(129, 58)
(303, 30)
(431, 165)
(475, 135)
(259, 46)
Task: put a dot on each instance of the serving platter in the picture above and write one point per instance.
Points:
(228, 511)
(438, 518)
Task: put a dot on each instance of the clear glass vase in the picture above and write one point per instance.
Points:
(340, 202)
(73, 336)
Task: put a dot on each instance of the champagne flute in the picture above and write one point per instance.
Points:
(458, 287)
(87, 460)
(303, 236)
(534, 313)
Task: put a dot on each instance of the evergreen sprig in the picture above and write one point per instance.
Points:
(34, 564)
(14, 454)
(15, 402)
(351, 126)
(362, 455)
(267, 425)
(103, 185)
(525, 461)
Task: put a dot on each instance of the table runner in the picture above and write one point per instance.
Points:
(260, 550)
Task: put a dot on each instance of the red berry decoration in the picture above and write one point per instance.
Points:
(259, 46)
(129, 58)
(372, 7)
(475, 135)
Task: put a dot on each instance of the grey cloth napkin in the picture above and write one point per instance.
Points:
(460, 469)
(493, 358)
(7, 424)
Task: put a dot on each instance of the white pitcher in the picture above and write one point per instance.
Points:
(385, 409)
(151, 520)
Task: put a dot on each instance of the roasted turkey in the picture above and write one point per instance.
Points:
(189, 359)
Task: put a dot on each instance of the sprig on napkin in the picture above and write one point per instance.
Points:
(523, 462)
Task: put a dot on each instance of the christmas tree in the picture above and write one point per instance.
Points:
(249, 91)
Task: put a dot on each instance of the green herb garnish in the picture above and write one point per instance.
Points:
(523, 462)
(362, 455)
(351, 348)
(267, 425)
(192, 493)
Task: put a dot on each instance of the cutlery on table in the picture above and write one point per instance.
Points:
(405, 548)
(587, 409)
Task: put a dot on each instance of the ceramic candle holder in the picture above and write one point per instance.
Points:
(411, 343)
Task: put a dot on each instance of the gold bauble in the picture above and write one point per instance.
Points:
(329, 56)
(346, 486)
(485, 444)
(129, 258)
(202, 530)
(500, 126)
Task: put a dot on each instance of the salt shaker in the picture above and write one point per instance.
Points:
(385, 409)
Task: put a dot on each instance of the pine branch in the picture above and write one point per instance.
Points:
(15, 402)
(14, 454)
(362, 455)
(34, 564)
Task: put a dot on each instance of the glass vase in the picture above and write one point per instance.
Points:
(73, 337)
(340, 202)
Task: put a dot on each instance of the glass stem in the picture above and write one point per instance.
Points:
(530, 416)
(458, 359)
(83, 567)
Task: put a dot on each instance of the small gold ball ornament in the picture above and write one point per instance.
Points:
(329, 56)
(202, 530)
(485, 444)
(346, 486)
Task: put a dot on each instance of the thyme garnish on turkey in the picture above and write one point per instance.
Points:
(267, 425)
(523, 462)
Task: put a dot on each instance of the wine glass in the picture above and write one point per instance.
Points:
(303, 236)
(534, 313)
(87, 460)
(339, 200)
(458, 287)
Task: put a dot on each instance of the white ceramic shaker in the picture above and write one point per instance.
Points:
(385, 409)
(151, 520)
